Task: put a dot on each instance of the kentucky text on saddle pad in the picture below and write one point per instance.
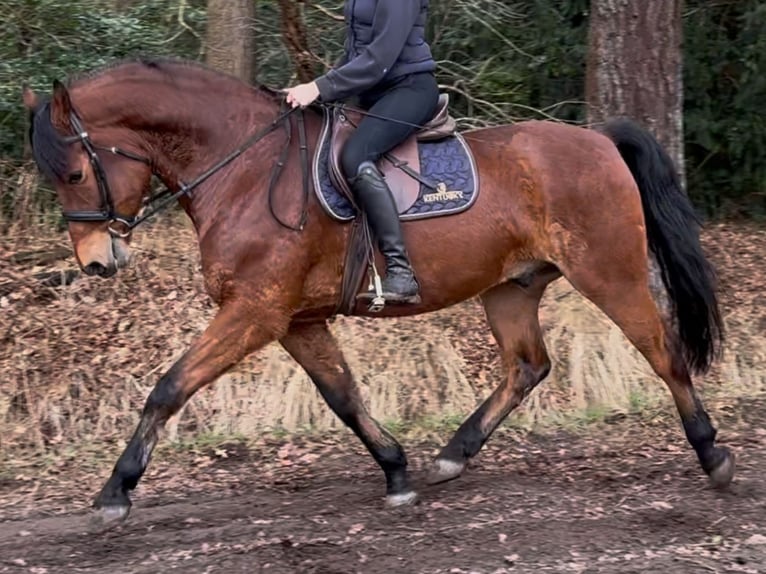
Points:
(431, 174)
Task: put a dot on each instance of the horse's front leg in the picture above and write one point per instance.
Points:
(232, 334)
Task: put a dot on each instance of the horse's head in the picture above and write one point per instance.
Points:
(99, 174)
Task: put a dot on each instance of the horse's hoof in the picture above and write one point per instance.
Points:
(401, 499)
(444, 470)
(108, 517)
(721, 475)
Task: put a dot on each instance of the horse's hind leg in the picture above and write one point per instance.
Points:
(313, 346)
(619, 286)
(512, 313)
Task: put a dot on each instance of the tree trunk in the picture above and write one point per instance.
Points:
(296, 38)
(122, 5)
(634, 67)
(229, 37)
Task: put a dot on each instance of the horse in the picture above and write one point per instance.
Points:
(600, 206)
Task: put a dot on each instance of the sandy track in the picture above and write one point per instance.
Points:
(625, 498)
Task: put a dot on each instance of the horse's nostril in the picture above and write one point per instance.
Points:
(95, 268)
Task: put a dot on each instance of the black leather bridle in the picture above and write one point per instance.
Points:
(159, 201)
(106, 212)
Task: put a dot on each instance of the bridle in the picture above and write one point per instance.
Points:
(107, 211)
(161, 200)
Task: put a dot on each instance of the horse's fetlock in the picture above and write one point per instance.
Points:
(700, 432)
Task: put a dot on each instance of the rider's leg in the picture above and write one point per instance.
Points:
(412, 102)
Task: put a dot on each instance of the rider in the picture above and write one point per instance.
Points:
(388, 65)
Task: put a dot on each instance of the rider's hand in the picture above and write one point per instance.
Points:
(302, 95)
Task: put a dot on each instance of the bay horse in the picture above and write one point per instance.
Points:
(596, 206)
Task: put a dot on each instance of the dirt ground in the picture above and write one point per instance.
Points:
(625, 496)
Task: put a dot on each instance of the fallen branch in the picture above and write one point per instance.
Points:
(60, 278)
(40, 256)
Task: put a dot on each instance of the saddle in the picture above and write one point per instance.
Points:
(400, 166)
(435, 157)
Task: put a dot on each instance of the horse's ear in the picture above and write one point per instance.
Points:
(61, 105)
(29, 97)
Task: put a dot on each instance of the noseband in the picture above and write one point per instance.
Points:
(159, 201)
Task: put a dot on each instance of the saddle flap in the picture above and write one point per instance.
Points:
(404, 188)
(341, 129)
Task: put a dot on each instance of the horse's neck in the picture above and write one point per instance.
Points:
(185, 123)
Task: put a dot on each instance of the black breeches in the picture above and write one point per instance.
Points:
(412, 100)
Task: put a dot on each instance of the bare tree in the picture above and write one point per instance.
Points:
(121, 5)
(634, 67)
(229, 37)
(296, 38)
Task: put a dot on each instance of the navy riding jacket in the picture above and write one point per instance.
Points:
(385, 40)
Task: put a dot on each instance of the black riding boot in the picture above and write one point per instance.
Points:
(374, 197)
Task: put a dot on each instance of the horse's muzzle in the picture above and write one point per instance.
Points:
(100, 269)
(102, 255)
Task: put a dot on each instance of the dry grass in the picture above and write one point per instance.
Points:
(78, 362)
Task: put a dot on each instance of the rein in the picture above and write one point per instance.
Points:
(364, 112)
(159, 201)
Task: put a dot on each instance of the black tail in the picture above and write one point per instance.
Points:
(673, 232)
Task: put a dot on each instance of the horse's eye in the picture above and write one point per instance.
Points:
(75, 177)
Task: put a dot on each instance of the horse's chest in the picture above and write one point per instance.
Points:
(217, 278)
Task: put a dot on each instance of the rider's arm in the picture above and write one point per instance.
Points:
(391, 26)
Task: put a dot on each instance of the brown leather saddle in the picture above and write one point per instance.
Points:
(401, 165)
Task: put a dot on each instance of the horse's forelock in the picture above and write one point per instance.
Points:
(49, 147)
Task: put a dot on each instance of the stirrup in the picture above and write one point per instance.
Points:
(374, 291)
(378, 301)
(378, 298)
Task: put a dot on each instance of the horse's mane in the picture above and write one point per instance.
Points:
(169, 65)
(49, 147)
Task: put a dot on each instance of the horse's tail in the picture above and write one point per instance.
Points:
(672, 229)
